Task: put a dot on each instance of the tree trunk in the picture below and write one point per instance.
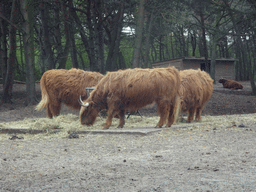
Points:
(27, 11)
(12, 55)
(3, 45)
(114, 36)
(22, 70)
(205, 49)
(172, 50)
(99, 36)
(138, 37)
(46, 37)
(84, 38)
(160, 48)
(101, 58)
(57, 33)
(91, 39)
(193, 42)
(81, 60)
(149, 28)
(121, 61)
(183, 42)
(64, 55)
(73, 47)
(213, 59)
(226, 47)
(72, 37)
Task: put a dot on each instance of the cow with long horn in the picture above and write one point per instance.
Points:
(132, 89)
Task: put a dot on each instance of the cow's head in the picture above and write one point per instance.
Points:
(88, 112)
(183, 105)
(222, 80)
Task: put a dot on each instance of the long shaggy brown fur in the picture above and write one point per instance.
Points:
(132, 89)
(65, 86)
(230, 84)
(196, 89)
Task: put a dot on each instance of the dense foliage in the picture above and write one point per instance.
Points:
(98, 35)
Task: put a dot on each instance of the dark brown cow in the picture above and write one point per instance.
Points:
(196, 89)
(65, 86)
(132, 89)
(230, 84)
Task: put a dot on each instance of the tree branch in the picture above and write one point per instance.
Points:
(18, 28)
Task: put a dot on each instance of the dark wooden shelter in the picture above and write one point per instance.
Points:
(225, 68)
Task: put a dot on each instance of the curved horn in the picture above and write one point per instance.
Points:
(82, 103)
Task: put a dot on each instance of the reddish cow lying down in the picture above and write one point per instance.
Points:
(65, 86)
(230, 84)
(132, 89)
(196, 89)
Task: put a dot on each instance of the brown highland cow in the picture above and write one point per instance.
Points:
(196, 89)
(230, 84)
(132, 89)
(65, 86)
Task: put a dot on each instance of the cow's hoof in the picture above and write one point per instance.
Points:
(120, 127)
(158, 127)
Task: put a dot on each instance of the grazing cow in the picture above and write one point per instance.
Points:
(195, 90)
(230, 84)
(132, 89)
(65, 86)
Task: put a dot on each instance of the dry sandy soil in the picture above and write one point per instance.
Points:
(194, 158)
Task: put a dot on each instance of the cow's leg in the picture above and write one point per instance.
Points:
(121, 116)
(163, 109)
(174, 112)
(171, 118)
(53, 109)
(191, 114)
(49, 113)
(199, 113)
(111, 114)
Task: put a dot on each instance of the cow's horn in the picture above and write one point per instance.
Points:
(82, 103)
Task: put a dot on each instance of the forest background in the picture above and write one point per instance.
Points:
(107, 35)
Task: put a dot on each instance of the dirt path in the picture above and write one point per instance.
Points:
(189, 159)
(185, 159)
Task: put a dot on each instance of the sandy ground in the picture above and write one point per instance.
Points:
(194, 158)
(174, 160)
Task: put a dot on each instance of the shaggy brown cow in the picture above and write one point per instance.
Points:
(132, 89)
(196, 89)
(230, 84)
(65, 86)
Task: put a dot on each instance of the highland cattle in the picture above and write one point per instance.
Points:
(230, 84)
(132, 89)
(65, 86)
(196, 89)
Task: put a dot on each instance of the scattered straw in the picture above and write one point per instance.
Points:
(70, 123)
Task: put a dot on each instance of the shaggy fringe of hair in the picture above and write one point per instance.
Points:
(45, 98)
(177, 108)
(132, 89)
(230, 84)
(135, 80)
(196, 88)
(61, 85)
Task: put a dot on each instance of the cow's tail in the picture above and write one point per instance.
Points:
(176, 111)
(45, 97)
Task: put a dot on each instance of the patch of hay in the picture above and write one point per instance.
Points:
(66, 124)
